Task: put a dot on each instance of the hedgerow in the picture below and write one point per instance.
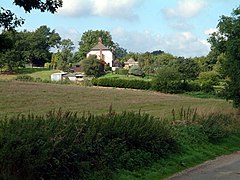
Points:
(123, 83)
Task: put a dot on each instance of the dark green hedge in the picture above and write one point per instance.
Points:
(122, 83)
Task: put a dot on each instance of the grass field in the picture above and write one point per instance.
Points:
(24, 97)
(42, 73)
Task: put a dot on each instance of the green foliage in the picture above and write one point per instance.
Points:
(119, 52)
(64, 145)
(187, 68)
(167, 80)
(122, 83)
(62, 58)
(90, 38)
(227, 41)
(92, 66)
(24, 78)
(9, 20)
(121, 71)
(217, 126)
(27, 47)
(209, 77)
(136, 71)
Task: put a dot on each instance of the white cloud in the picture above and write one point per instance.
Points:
(179, 44)
(75, 8)
(120, 9)
(186, 44)
(181, 26)
(210, 31)
(70, 33)
(185, 9)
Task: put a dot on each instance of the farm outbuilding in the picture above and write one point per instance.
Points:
(57, 76)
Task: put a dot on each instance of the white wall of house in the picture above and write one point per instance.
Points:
(108, 57)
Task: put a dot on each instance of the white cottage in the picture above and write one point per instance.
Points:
(102, 52)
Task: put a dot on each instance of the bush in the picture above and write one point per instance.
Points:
(122, 83)
(136, 71)
(121, 71)
(167, 80)
(66, 146)
(193, 86)
(207, 87)
(217, 126)
(24, 78)
(168, 86)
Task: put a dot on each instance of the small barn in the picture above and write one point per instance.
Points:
(57, 76)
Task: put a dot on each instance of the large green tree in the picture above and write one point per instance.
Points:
(27, 47)
(41, 42)
(227, 41)
(90, 38)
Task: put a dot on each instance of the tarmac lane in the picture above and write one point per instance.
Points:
(225, 167)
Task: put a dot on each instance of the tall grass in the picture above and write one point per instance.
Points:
(65, 145)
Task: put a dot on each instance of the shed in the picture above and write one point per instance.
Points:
(57, 76)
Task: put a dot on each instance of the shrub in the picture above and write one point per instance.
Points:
(121, 71)
(193, 86)
(209, 77)
(207, 87)
(136, 71)
(217, 126)
(167, 80)
(66, 146)
(122, 83)
(168, 86)
(24, 78)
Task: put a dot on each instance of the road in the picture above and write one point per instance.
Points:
(222, 168)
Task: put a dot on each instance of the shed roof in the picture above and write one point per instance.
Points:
(131, 60)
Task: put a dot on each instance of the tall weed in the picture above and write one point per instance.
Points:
(65, 145)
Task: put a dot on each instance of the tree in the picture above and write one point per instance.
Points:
(92, 66)
(167, 80)
(41, 41)
(119, 52)
(187, 68)
(62, 58)
(90, 38)
(66, 48)
(227, 41)
(10, 21)
(14, 53)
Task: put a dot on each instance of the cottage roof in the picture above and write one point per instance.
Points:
(99, 46)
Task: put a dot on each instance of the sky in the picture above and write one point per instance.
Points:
(178, 27)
